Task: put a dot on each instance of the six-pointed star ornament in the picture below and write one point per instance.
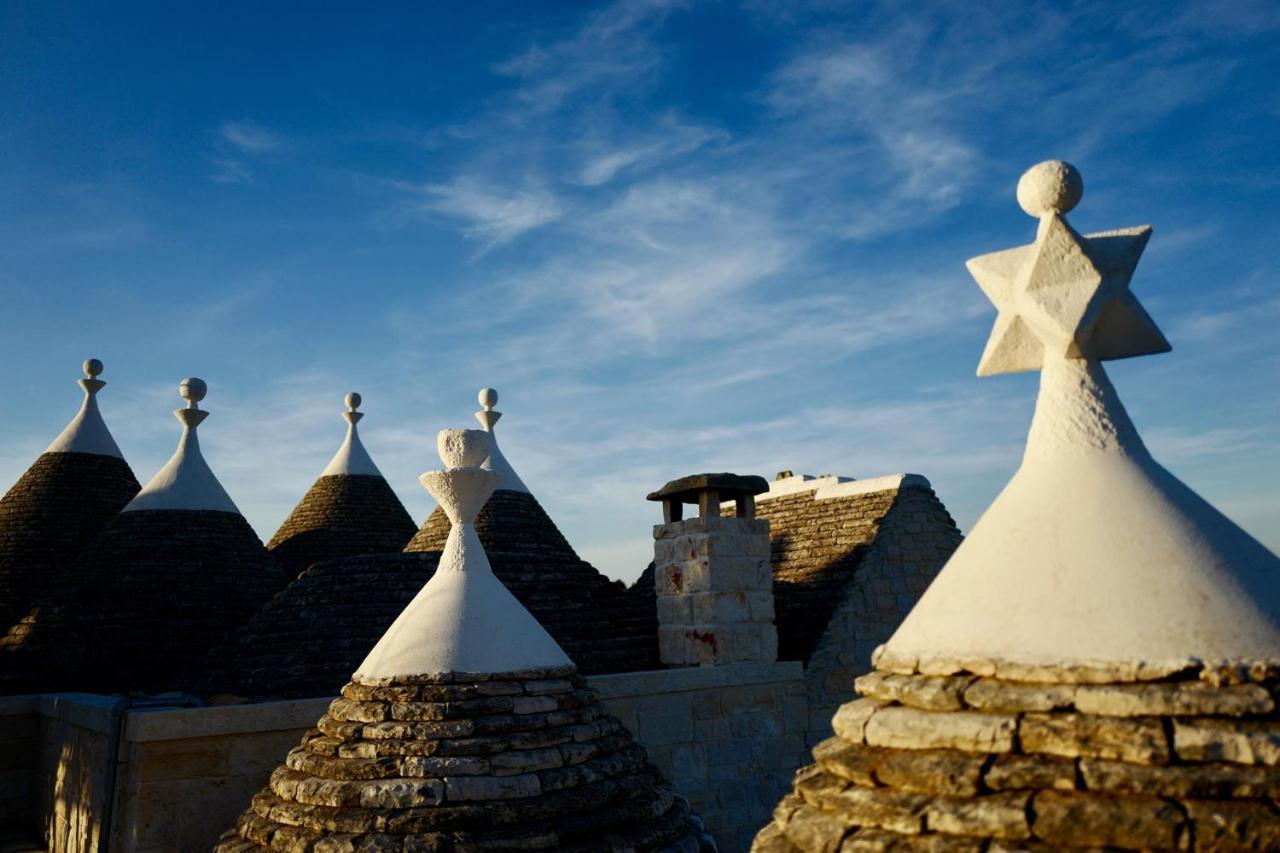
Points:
(1065, 295)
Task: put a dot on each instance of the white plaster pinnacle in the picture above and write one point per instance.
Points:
(464, 619)
(352, 458)
(496, 462)
(186, 482)
(1093, 554)
(87, 432)
(1065, 294)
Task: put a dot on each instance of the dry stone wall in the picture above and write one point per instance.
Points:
(728, 738)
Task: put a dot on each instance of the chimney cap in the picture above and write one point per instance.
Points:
(687, 489)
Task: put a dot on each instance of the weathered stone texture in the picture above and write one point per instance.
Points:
(581, 783)
(341, 515)
(54, 510)
(151, 594)
(714, 592)
(847, 570)
(1176, 765)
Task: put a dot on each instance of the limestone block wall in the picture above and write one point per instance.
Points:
(53, 751)
(915, 538)
(714, 591)
(728, 737)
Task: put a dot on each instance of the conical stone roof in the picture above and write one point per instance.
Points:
(601, 627)
(178, 568)
(310, 637)
(59, 504)
(1098, 664)
(349, 510)
(466, 728)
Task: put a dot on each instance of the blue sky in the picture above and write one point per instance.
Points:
(675, 236)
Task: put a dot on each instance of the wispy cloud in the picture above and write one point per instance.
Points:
(229, 171)
(250, 138)
(490, 214)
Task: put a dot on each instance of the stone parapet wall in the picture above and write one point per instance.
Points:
(54, 750)
(728, 738)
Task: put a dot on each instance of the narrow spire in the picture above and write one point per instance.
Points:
(186, 481)
(352, 458)
(1093, 553)
(496, 462)
(464, 619)
(87, 432)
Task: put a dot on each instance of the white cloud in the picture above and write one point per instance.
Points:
(250, 138)
(229, 171)
(490, 214)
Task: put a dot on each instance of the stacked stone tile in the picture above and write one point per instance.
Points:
(466, 728)
(178, 568)
(349, 510)
(59, 504)
(1098, 664)
(826, 532)
(308, 640)
(1000, 761)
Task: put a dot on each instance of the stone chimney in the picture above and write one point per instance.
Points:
(713, 579)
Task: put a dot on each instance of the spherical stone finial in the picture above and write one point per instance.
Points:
(463, 448)
(488, 398)
(92, 368)
(353, 401)
(192, 389)
(1053, 186)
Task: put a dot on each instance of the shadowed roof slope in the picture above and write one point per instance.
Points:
(150, 593)
(59, 504)
(349, 510)
(820, 530)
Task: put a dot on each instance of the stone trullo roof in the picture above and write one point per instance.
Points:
(821, 531)
(466, 727)
(349, 510)
(178, 568)
(309, 638)
(1098, 664)
(59, 504)
(598, 624)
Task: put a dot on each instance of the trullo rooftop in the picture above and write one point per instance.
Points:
(1097, 665)
(60, 503)
(466, 727)
(178, 568)
(349, 510)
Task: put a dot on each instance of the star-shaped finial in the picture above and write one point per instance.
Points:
(1065, 295)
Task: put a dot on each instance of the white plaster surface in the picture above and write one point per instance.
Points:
(352, 458)
(463, 619)
(87, 432)
(496, 462)
(828, 486)
(1094, 553)
(185, 482)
